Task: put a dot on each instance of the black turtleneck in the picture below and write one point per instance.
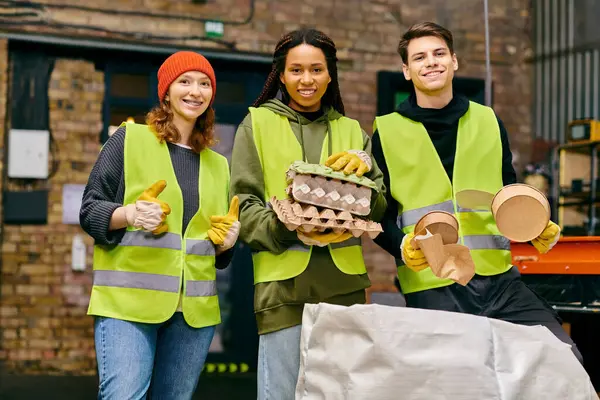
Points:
(442, 127)
(312, 115)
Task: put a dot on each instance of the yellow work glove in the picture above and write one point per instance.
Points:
(225, 229)
(321, 239)
(547, 239)
(148, 212)
(351, 162)
(412, 258)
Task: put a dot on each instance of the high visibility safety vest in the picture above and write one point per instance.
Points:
(140, 279)
(419, 183)
(278, 148)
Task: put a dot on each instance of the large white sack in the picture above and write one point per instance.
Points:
(379, 352)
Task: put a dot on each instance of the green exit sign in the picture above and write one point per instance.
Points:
(214, 29)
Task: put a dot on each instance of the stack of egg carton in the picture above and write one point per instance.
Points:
(322, 199)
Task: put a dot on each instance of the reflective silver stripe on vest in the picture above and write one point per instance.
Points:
(168, 241)
(411, 217)
(460, 209)
(480, 242)
(487, 242)
(136, 280)
(199, 247)
(347, 243)
(201, 288)
(147, 239)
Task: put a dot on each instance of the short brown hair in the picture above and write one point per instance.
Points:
(423, 29)
(160, 120)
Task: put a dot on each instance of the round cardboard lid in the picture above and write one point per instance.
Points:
(521, 212)
(440, 222)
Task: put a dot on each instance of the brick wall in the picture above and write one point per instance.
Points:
(43, 306)
(5, 311)
(43, 303)
(3, 104)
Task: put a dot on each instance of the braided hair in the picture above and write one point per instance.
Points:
(313, 37)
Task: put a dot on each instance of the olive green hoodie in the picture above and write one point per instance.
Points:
(279, 305)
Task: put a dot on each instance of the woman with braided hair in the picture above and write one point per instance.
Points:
(298, 116)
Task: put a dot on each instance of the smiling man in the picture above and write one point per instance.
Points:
(435, 144)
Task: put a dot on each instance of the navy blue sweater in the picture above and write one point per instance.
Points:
(105, 190)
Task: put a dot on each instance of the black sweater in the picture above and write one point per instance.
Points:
(105, 190)
(442, 127)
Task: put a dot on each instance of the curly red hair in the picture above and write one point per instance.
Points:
(160, 120)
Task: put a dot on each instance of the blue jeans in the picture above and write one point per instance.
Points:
(160, 361)
(278, 364)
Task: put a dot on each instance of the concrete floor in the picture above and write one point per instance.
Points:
(215, 387)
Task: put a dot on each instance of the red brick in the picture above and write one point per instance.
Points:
(12, 322)
(35, 269)
(24, 355)
(9, 247)
(12, 344)
(71, 290)
(30, 290)
(28, 333)
(8, 311)
(15, 300)
(46, 301)
(43, 344)
(34, 311)
(45, 280)
(59, 311)
(9, 334)
(47, 322)
(78, 312)
(77, 322)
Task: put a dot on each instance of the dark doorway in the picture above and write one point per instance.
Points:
(393, 89)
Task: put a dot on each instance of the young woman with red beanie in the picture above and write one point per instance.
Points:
(156, 204)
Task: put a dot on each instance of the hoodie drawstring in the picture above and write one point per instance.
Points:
(301, 139)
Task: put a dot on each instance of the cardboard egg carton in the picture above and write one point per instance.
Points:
(333, 194)
(307, 217)
(321, 186)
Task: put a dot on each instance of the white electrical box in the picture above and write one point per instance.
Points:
(28, 153)
(78, 253)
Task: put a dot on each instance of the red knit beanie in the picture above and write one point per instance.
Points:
(177, 64)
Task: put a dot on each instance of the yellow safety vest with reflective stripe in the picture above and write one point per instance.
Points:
(419, 183)
(278, 148)
(141, 278)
